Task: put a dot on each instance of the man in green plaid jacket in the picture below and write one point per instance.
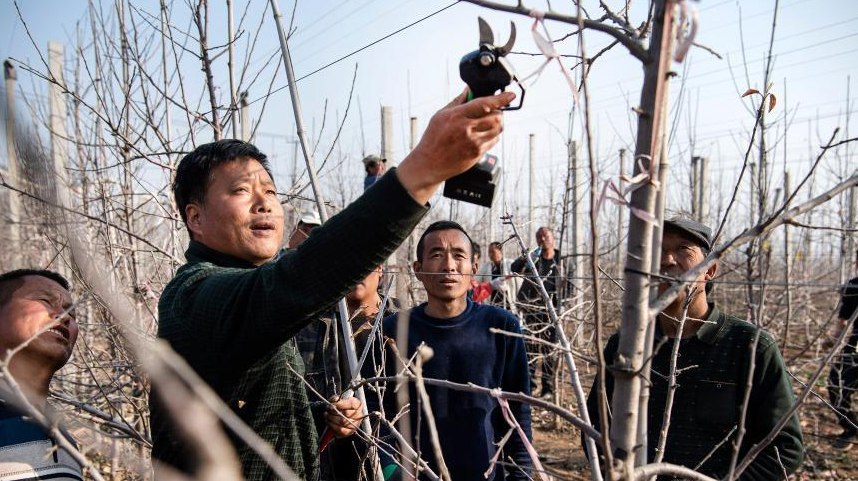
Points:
(232, 312)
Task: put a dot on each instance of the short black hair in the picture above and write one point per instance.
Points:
(476, 250)
(441, 225)
(194, 172)
(496, 245)
(12, 280)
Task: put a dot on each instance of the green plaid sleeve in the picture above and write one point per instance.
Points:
(262, 307)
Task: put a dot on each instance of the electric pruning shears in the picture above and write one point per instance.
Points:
(486, 71)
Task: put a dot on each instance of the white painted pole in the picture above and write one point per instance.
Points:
(233, 100)
(387, 134)
(13, 216)
(532, 152)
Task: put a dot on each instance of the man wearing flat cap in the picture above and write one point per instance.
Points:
(374, 167)
(307, 221)
(715, 353)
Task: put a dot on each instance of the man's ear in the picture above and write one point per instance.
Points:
(193, 213)
(418, 269)
(710, 273)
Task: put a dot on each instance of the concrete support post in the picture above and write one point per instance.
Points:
(703, 199)
(245, 120)
(13, 217)
(530, 159)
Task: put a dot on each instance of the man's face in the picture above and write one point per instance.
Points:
(35, 304)
(446, 267)
(299, 235)
(679, 254)
(367, 287)
(495, 255)
(241, 215)
(545, 238)
(375, 168)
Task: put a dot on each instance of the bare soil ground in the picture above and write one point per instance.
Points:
(563, 458)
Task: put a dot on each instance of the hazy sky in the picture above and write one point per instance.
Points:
(416, 72)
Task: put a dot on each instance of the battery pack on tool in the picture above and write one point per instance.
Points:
(477, 184)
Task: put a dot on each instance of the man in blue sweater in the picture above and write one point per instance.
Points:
(469, 425)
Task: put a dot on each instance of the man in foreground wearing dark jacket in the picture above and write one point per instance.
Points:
(232, 311)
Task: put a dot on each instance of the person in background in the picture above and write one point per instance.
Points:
(470, 426)
(547, 260)
(323, 351)
(497, 271)
(326, 368)
(843, 377)
(713, 364)
(375, 167)
(488, 284)
(480, 291)
(306, 223)
(478, 254)
(34, 301)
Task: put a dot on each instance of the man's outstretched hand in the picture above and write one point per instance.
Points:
(456, 138)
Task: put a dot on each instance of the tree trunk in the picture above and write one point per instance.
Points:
(635, 311)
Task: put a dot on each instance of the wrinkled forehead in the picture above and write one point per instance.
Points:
(35, 284)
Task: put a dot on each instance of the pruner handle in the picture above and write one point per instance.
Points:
(327, 434)
(520, 98)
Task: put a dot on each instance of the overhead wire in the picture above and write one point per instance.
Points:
(340, 59)
(832, 285)
(602, 104)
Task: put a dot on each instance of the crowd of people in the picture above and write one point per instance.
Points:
(258, 322)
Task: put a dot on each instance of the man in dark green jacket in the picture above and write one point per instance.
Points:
(712, 374)
(232, 312)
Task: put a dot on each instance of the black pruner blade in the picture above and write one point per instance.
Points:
(486, 70)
